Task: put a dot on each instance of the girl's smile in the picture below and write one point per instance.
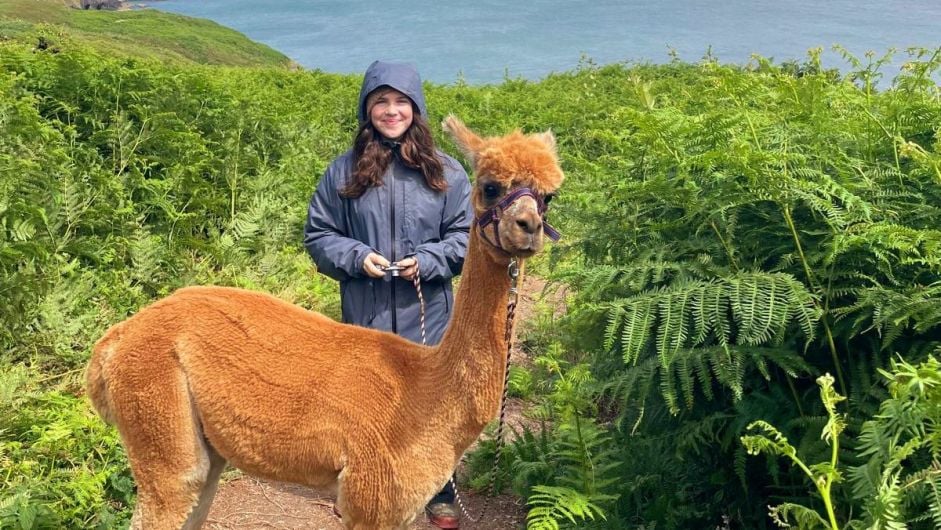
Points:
(390, 112)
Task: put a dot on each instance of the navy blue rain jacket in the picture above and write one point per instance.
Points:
(401, 218)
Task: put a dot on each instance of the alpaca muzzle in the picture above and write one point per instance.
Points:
(492, 216)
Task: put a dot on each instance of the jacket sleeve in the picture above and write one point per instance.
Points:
(444, 259)
(325, 234)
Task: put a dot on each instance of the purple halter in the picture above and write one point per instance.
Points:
(492, 216)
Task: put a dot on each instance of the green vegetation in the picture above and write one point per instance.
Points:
(741, 234)
(139, 33)
(730, 235)
(822, 475)
(62, 467)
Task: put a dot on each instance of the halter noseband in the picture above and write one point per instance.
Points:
(492, 215)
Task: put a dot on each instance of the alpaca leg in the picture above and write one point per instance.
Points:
(201, 511)
(352, 503)
(137, 518)
(163, 503)
(371, 500)
(164, 442)
(182, 504)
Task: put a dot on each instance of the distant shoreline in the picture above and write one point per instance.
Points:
(127, 5)
(108, 5)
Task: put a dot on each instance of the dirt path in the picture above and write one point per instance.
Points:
(247, 503)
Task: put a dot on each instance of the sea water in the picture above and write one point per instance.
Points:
(486, 41)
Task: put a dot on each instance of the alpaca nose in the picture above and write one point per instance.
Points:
(529, 222)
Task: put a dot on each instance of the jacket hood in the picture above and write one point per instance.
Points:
(400, 76)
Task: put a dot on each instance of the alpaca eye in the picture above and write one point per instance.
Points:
(491, 191)
(548, 198)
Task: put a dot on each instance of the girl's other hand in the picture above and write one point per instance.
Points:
(374, 265)
(409, 267)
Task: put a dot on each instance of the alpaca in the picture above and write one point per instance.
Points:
(215, 375)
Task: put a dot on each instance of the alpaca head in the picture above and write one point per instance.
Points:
(516, 176)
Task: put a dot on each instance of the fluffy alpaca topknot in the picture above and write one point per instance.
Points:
(524, 159)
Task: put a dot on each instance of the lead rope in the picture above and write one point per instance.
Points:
(421, 304)
(514, 272)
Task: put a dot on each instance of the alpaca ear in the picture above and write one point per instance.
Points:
(466, 140)
(547, 138)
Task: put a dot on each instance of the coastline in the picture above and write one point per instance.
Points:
(107, 5)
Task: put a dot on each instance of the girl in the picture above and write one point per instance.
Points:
(393, 199)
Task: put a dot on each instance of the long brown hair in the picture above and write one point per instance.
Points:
(371, 158)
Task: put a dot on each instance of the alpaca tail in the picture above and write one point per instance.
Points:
(96, 383)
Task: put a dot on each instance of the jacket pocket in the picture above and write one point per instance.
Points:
(358, 301)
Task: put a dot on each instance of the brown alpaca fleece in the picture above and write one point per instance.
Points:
(216, 375)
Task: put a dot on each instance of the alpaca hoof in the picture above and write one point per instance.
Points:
(443, 515)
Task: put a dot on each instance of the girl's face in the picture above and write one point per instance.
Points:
(390, 112)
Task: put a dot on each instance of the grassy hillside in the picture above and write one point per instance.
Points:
(136, 33)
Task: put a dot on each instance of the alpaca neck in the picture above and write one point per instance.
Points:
(473, 350)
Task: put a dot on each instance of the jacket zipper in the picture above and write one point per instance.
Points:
(395, 325)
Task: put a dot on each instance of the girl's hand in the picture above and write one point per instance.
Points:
(374, 265)
(409, 268)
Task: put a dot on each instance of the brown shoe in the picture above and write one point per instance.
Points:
(442, 515)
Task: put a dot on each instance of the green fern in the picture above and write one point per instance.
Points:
(805, 518)
(901, 445)
(551, 504)
(823, 475)
(747, 309)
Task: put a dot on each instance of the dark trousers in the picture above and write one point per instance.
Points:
(445, 495)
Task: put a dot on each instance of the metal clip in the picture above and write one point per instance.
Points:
(513, 271)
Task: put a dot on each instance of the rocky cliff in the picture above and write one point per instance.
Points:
(100, 4)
